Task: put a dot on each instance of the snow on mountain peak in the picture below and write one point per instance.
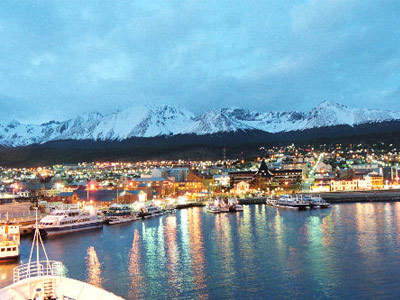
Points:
(153, 120)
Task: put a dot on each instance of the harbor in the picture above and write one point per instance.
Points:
(194, 254)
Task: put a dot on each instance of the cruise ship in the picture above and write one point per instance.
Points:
(70, 220)
(9, 243)
(45, 280)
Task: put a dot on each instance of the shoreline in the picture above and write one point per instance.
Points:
(341, 197)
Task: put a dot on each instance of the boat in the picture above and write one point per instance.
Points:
(9, 243)
(149, 211)
(286, 201)
(63, 221)
(234, 205)
(45, 280)
(315, 201)
(222, 206)
(319, 202)
(212, 207)
(118, 214)
(170, 209)
(271, 201)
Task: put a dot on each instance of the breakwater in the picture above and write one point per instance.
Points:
(341, 197)
(362, 196)
(252, 200)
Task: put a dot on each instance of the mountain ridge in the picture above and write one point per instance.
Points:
(158, 120)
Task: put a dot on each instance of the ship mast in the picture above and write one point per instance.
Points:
(37, 238)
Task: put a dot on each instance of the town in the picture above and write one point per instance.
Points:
(281, 170)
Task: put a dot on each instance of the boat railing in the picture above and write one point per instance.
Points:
(37, 269)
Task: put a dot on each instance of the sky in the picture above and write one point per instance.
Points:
(62, 58)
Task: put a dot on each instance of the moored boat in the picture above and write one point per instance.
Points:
(70, 220)
(319, 202)
(212, 207)
(118, 214)
(271, 201)
(45, 280)
(315, 201)
(149, 211)
(286, 201)
(9, 243)
(234, 205)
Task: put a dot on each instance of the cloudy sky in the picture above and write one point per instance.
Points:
(60, 58)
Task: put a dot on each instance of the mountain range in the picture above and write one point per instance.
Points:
(151, 121)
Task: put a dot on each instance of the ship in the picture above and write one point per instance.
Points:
(64, 221)
(9, 243)
(286, 201)
(118, 214)
(45, 280)
(149, 211)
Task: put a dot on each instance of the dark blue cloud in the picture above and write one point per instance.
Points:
(60, 58)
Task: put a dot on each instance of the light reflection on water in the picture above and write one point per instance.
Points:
(93, 268)
(348, 251)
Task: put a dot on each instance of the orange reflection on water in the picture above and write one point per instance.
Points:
(134, 266)
(366, 220)
(197, 252)
(93, 267)
(172, 252)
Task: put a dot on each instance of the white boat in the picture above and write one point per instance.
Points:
(45, 280)
(315, 201)
(271, 201)
(118, 214)
(212, 208)
(319, 202)
(234, 205)
(222, 206)
(70, 220)
(286, 201)
(149, 211)
(9, 243)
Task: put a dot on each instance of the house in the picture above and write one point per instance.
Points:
(240, 188)
(344, 185)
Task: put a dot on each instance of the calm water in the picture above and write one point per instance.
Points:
(348, 251)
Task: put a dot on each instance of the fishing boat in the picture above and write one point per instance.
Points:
(70, 220)
(45, 280)
(286, 201)
(234, 205)
(9, 243)
(212, 207)
(222, 206)
(118, 214)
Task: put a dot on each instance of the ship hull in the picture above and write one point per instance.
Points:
(9, 259)
(58, 230)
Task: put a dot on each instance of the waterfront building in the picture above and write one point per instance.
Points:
(128, 196)
(344, 185)
(241, 188)
(264, 177)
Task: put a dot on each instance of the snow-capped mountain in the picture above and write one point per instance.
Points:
(148, 121)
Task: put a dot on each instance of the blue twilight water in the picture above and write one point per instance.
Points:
(347, 251)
